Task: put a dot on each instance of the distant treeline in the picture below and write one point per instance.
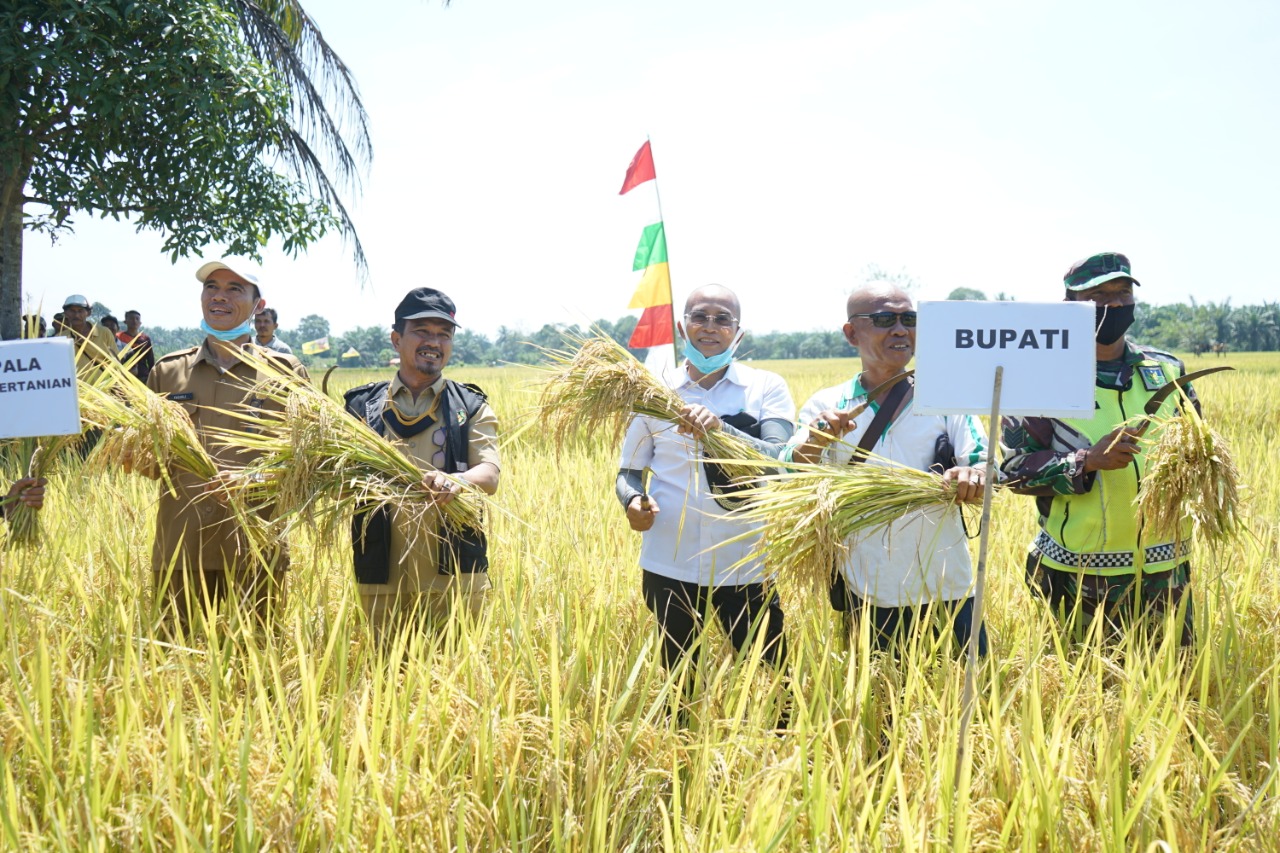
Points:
(1194, 327)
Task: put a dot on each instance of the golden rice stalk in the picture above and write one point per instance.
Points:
(140, 425)
(1189, 475)
(600, 385)
(317, 463)
(807, 514)
(24, 522)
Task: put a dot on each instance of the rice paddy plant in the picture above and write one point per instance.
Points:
(546, 723)
(1190, 475)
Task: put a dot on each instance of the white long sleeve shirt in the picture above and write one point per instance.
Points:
(686, 540)
(922, 557)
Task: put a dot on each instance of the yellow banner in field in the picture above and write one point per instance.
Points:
(313, 347)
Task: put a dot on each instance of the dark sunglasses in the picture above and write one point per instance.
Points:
(886, 319)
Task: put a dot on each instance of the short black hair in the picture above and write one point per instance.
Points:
(132, 311)
(275, 318)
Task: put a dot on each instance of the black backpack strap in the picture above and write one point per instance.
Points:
(724, 485)
(462, 550)
(366, 403)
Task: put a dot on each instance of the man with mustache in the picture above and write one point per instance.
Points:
(1085, 473)
(409, 576)
(917, 570)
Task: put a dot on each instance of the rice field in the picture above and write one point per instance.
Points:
(545, 724)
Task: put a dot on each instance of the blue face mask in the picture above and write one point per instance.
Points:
(710, 364)
(240, 331)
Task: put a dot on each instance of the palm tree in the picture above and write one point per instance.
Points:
(227, 121)
(326, 112)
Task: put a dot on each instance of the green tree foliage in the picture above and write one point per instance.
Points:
(967, 294)
(178, 115)
(310, 328)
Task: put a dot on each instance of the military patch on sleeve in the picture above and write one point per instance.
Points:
(181, 398)
(1153, 378)
(460, 416)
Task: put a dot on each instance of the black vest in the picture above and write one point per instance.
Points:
(461, 550)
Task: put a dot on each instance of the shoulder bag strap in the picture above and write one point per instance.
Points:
(884, 415)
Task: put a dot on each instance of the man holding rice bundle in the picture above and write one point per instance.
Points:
(445, 427)
(921, 560)
(201, 551)
(1091, 558)
(682, 513)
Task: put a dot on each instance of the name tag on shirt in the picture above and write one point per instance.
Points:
(181, 398)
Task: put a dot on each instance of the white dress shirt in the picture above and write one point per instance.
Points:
(685, 542)
(924, 556)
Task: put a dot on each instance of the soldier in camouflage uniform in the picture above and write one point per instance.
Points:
(1085, 473)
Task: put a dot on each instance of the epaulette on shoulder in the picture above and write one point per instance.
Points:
(360, 390)
(1158, 354)
(475, 389)
(181, 353)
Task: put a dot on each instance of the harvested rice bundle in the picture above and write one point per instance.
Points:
(24, 522)
(807, 514)
(601, 385)
(318, 464)
(1189, 475)
(140, 426)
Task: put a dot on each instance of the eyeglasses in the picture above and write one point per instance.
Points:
(887, 319)
(724, 320)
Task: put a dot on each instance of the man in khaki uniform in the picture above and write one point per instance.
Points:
(94, 342)
(200, 549)
(407, 574)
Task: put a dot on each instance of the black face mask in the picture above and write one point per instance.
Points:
(1112, 322)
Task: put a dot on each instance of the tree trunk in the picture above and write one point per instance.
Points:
(10, 255)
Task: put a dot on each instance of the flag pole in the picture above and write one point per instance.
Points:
(675, 351)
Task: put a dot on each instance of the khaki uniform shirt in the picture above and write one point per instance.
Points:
(95, 346)
(193, 527)
(414, 553)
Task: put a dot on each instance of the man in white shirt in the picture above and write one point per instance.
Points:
(922, 559)
(685, 564)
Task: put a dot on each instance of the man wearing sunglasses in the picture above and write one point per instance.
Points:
(684, 513)
(920, 562)
(1085, 473)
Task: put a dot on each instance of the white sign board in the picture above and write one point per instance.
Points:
(38, 388)
(1047, 351)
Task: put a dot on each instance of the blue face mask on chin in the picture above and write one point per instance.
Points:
(710, 364)
(240, 331)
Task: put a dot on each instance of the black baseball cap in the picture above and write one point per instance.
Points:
(423, 302)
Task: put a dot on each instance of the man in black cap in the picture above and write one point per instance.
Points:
(445, 427)
(1085, 474)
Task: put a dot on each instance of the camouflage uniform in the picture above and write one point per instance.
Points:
(1089, 534)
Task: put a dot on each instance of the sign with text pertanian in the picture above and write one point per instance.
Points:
(38, 388)
(1047, 351)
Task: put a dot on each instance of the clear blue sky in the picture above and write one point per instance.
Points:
(984, 144)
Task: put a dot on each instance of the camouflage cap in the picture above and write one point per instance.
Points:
(1098, 269)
